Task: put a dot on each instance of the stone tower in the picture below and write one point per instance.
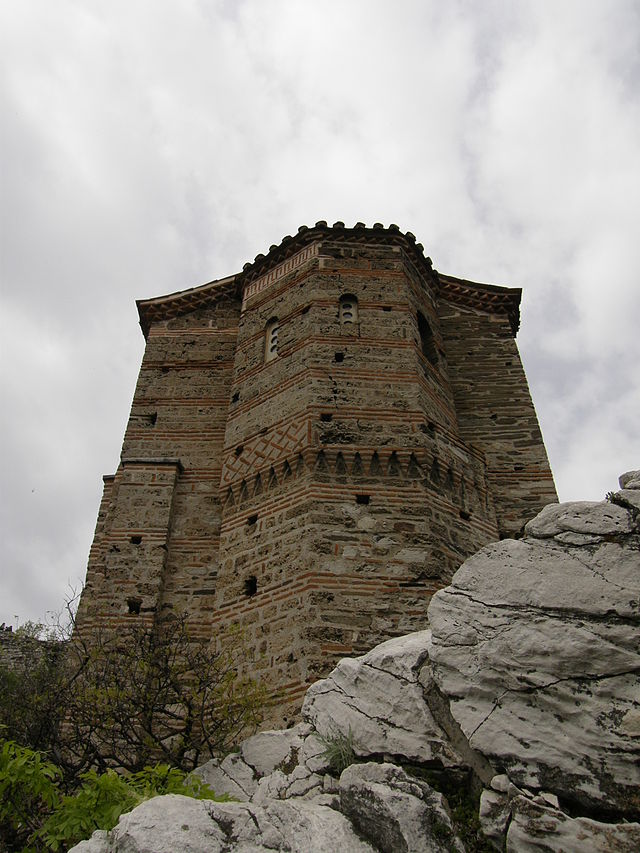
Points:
(315, 445)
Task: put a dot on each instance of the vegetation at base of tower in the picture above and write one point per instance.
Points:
(32, 688)
(338, 750)
(37, 815)
(128, 698)
(145, 694)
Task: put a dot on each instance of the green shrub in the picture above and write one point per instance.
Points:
(338, 750)
(36, 816)
(97, 804)
(28, 792)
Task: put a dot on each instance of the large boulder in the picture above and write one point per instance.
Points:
(536, 645)
(379, 699)
(395, 811)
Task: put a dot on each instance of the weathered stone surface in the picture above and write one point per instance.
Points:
(589, 517)
(630, 497)
(629, 480)
(396, 812)
(231, 776)
(301, 782)
(174, 823)
(379, 699)
(523, 821)
(98, 843)
(266, 750)
(536, 645)
(536, 827)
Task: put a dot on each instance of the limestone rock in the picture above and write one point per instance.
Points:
(590, 517)
(527, 822)
(266, 751)
(231, 776)
(535, 827)
(175, 823)
(379, 698)
(395, 812)
(630, 480)
(301, 782)
(536, 644)
(98, 843)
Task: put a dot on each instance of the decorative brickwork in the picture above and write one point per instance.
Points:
(319, 496)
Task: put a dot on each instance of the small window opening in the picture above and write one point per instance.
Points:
(465, 515)
(252, 520)
(250, 585)
(135, 540)
(239, 449)
(271, 339)
(325, 417)
(386, 307)
(339, 356)
(363, 499)
(235, 397)
(427, 341)
(134, 605)
(165, 369)
(348, 309)
(305, 310)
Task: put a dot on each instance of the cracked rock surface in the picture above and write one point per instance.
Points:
(536, 644)
(177, 824)
(396, 811)
(380, 699)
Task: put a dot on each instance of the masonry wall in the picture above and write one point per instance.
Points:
(496, 413)
(349, 497)
(157, 539)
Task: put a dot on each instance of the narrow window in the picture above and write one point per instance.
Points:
(133, 605)
(427, 341)
(348, 309)
(271, 339)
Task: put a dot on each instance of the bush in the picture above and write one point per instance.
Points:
(28, 791)
(338, 750)
(35, 815)
(128, 699)
(33, 687)
(153, 693)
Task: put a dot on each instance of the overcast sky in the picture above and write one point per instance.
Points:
(149, 146)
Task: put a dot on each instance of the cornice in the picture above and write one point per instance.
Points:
(484, 297)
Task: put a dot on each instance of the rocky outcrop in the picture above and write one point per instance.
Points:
(513, 721)
(536, 645)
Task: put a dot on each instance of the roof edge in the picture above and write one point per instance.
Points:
(460, 291)
(491, 297)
